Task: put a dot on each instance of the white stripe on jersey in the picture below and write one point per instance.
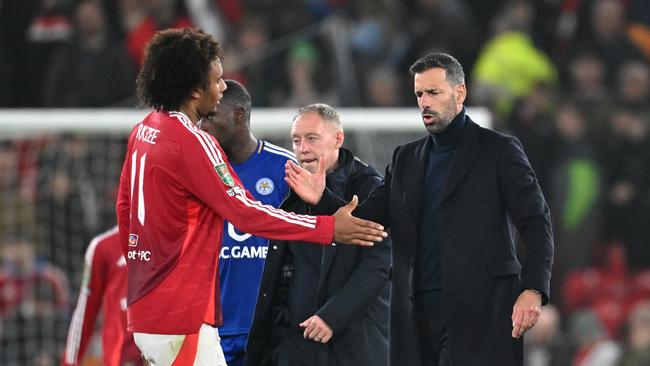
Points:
(90, 252)
(210, 150)
(209, 140)
(215, 158)
(279, 151)
(291, 215)
(273, 213)
(76, 325)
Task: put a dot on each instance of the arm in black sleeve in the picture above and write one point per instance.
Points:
(363, 287)
(528, 209)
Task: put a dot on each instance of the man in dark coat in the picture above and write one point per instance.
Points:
(325, 306)
(453, 199)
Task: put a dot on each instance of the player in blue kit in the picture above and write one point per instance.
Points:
(260, 166)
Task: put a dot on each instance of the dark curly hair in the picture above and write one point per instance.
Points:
(177, 62)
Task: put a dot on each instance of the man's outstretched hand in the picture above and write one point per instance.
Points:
(352, 230)
(309, 187)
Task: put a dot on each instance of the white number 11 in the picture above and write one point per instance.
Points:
(134, 158)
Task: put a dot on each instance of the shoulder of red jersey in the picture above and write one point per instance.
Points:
(104, 241)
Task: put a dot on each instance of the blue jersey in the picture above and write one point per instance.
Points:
(241, 260)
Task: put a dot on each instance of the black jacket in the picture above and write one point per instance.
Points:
(353, 286)
(490, 191)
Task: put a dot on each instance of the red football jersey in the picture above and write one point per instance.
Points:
(176, 189)
(104, 286)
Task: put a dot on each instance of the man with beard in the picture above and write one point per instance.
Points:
(453, 200)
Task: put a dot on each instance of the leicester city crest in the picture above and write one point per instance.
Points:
(224, 174)
(264, 186)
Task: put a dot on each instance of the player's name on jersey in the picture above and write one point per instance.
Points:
(147, 134)
(244, 252)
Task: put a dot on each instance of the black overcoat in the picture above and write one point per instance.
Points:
(353, 288)
(490, 191)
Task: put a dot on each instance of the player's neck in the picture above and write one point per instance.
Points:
(191, 113)
(243, 150)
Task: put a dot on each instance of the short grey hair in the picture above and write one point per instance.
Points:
(324, 111)
(455, 74)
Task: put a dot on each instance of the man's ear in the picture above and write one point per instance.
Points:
(195, 94)
(461, 93)
(340, 137)
(239, 115)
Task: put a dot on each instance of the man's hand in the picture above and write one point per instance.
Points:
(309, 187)
(316, 329)
(352, 230)
(525, 312)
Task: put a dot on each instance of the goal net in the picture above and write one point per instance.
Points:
(59, 171)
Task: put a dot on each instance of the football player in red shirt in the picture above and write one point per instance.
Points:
(176, 189)
(103, 288)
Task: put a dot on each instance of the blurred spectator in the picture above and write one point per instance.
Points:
(608, 37)
(628, 186)
(132, 12)
(92, 70)
(544, 343)
(264, 78)
(205, 14)
(587, 87)
(377, 37)
(443, 26)
(574, 192)
(15, 18)
(510, 65)
(382, 88)
(49, 29)
(639, 28)
(633, 86)
(303, 63)
(532, 122)
(638, 338)
(67, 205)
(33, 303)
(16, 206)
(160, 14)
(592, 345)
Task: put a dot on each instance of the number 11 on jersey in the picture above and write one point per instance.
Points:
(140, 177)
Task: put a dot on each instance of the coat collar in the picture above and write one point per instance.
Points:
(463, 158)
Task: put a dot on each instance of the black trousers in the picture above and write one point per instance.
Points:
(432, 332)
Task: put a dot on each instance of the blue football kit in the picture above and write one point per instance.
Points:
(241, 260)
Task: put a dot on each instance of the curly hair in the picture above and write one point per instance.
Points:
(177, 62)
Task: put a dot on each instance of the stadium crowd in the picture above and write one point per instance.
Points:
(570, 79)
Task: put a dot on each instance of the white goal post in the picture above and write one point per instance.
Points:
(16, 123)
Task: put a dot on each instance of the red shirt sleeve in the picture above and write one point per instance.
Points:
(210, 177)
(88, 305)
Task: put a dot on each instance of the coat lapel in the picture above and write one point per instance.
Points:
(415, 166)
(465, 154)
(329, 252)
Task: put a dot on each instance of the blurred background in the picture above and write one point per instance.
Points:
(569, 78)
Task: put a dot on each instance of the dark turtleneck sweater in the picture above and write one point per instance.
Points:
(428, 271)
